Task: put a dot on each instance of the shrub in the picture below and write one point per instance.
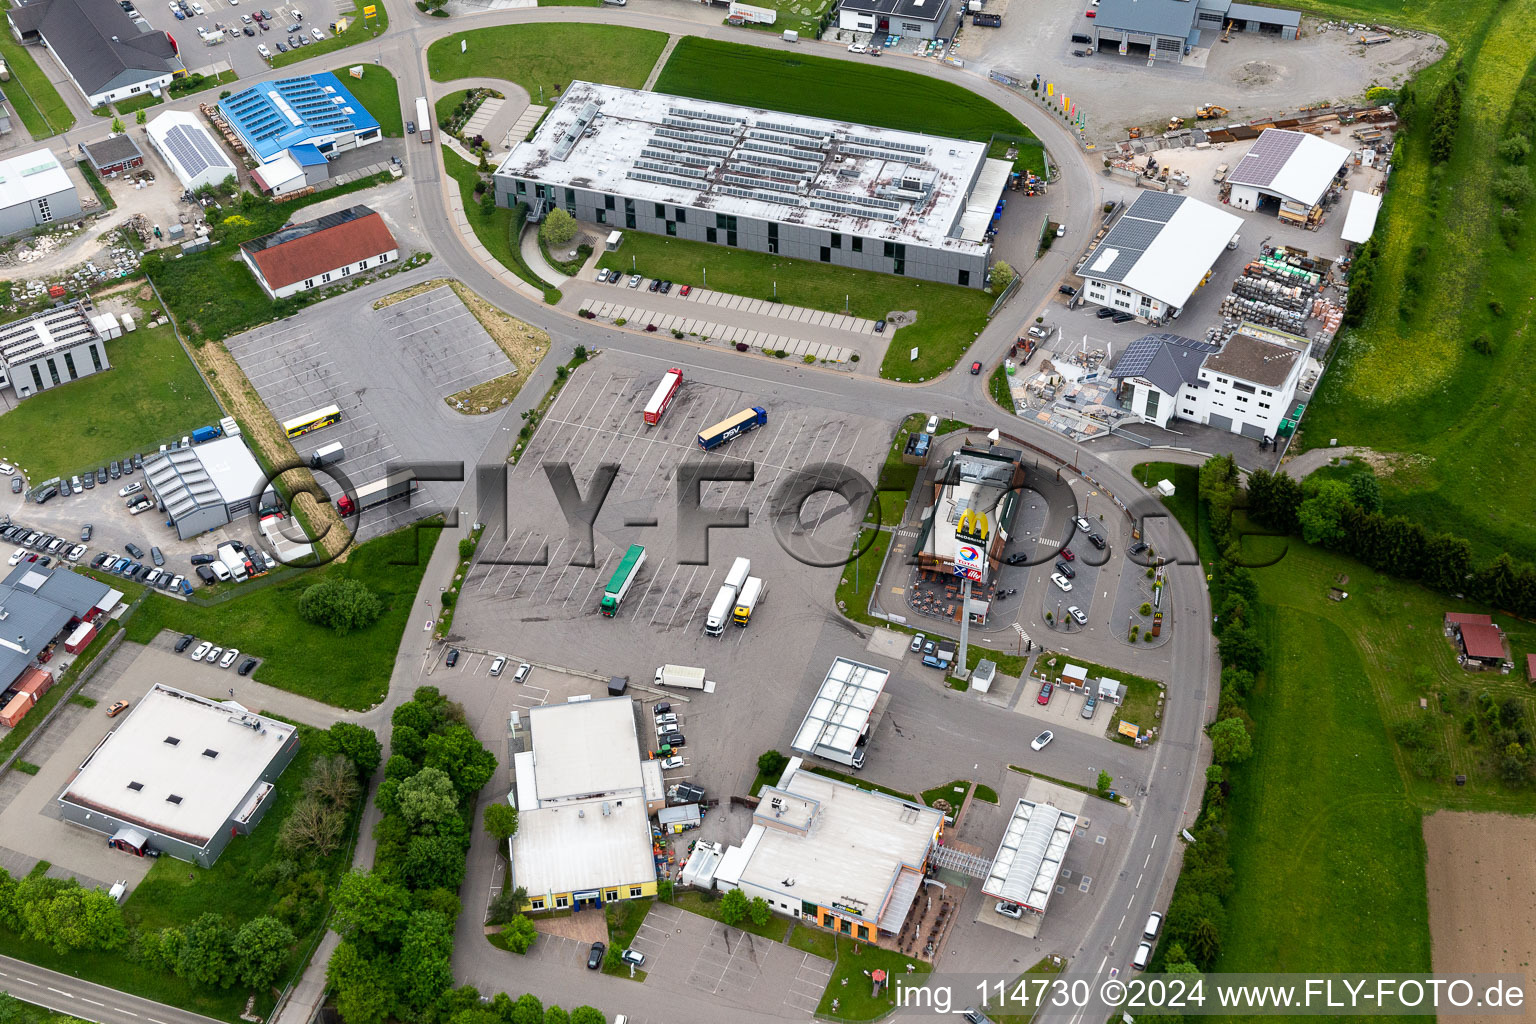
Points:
(1146, 608)
(771, 762)
(809, 358)
(340, 604)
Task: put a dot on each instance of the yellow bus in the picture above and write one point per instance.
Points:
(312, 421)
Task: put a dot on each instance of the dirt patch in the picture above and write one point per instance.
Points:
(524, 344)
(1258, 72)
(1476, 863)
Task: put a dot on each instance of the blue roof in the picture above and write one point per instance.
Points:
(307, 155)
(276, 116)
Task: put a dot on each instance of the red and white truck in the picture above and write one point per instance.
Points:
(662, 396)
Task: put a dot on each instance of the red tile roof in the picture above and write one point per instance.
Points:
(1482, 641)
(1467, 619)
(1530, 666)
(313, 249)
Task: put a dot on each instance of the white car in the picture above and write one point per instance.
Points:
(933, 425)
(245, 19)
(261, 48)
(149, 580)
(319, 36)
(671, 763)
(1062, 583)
(214, 655)
(1039, 742)
(1082, 524)
(1012, 910)
(6, 469)
(197, 8)
(498, 665)
(229, 657)
(19, 555)
(201, 649)
(1077, 613)
(133, 488)
(858, 48)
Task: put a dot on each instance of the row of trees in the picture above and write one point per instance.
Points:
(397, 920)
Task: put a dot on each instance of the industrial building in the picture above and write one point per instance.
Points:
(1030, 855)
(848, 859)
(205, 486)
(843, 713)
(1169, 30)
(1160, 250)
(1156, 371)
(975, 493)
(315, 253)
(113, 155)
(584, 833)
(307, 116)
(35, 191)
(41, 607)
(181, 775)
(194, 154)
(295, 170)
(809, 188)
(51, 348)
(106, 53)
(1286, 173)
(910, 19)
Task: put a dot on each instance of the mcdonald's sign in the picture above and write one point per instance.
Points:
(972, 524)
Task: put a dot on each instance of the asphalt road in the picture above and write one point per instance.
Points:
(1142, 874)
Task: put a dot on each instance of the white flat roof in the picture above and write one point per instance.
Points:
(179, 764)
(1291, 164)
(31, 176)
(585, 748)
(857, 844)
(575, 846)
(1163, 246)
(1360, 219)
(1030, 855)
(841, 708)
(231, 467)
(770, 165)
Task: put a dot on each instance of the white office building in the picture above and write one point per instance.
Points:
(50, 348)
(35, 191)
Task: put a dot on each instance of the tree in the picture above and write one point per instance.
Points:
(427, 797)
(117, 126)
(1365, 492)
(759, 911)
(1513, 185)
(519, 934)
(1002, 275)
(313, 825)
(501, 821)
(207, 953)
(431, 861)
(528, 1009)
(558, 228)
(365, 905)
(555, 1015)
(340, 604)
(664, 889)
(423, 966)
(141, 117)
(260, 946)
(487, 199)
(466, 761)
(1214, 774)
(1239, 647)
(772, 763)
(333, 780)
(1230, 742)
(363, 992)
(733, 907)
(1321, 513)
(358, 745)
(1105, 781)
(588, 1015)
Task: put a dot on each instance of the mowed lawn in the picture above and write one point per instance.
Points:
(379, 93)
(948, 317)
(865, 93)
(350, 671)
(549, 56)
(41, 109)
(151, 393)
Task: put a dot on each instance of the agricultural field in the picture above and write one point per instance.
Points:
(1438, 371)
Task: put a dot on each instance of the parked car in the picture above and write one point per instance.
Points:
(661, 707)
(1007, 909)
(1077, 613)
(1066, 570)
(522, 672)
(634, 280)
(282, 47)
(90, 482)
(673, 740)
(497, 665)
(229, 658)
(879, 326)
(602, 275)
(6, 469)
(115, 469)
(18, 556)
(156, 557)
(917, 642)
(246, 667)
(932, 426)
(101, 475)
(184, 642)
(1123, 317)
(261, 48)
(16, 485)
(248, 30)
(206, 575)
(1104, 313)
(1082, 524)
(319, 36)
(1062, 583)
(1090, 705)
(684, 290)
(595, 955)
(1039, 742)
(453, 657)
(666, 287)
(1138, 547)
(1067, 555)
(117, 708)
(1096, 541)
(134, 550)
(672, 763)
(1046, 689)
(655, 285)
(86, 531)
(75, 552)
(175, 582)
(66, 490)
(976, 368)
(633, 956)
(97, 562)
(202, 649)
(133, 488)
(202, 559)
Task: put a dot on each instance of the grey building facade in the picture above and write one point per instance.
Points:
(910, 19)
(50, 348)
(35, 191)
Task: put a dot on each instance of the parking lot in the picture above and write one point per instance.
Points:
(392, 409)
(239, 50)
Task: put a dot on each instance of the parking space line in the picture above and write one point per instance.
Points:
(651, 586)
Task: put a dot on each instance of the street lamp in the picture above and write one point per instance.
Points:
(706, 277)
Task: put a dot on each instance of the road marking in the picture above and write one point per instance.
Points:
(1138, 880)
(1154, 840)
(68, 995)
(24, 981)
(130, 1013)
(1147, 861)
(153, 1021)
(91, 1001)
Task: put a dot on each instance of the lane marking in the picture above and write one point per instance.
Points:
(1138, 880)
(26, 982)
(91, 1001)
(67, 995)
(130, 1013)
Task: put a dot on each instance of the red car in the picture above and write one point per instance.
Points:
(1045, 693)
(1067, 554)
(685, 289)
(1091, 13)
(975, 369)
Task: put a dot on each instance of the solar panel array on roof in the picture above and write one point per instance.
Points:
(1133, 234)
(1269, 153)
(193, 150)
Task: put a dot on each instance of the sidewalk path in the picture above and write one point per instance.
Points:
(534, 257)
(661, 62)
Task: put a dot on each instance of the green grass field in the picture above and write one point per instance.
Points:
(1408, 379)
(549, 56)
(850, 989)
(863, 93)
(349, 671)
(359, 30)
(378, 92)
(498, 230)
(948, 317)
(29, 92)
(151, 393)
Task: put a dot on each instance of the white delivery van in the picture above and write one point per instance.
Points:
(221, 571)
(1153, 923)
(1142, 957)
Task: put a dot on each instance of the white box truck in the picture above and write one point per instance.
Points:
(791, 36)
(683, 677)
(720, 611)
(737, 577)
(751, 597)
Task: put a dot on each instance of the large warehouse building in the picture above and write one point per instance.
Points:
(910, 19)
(181, 775)
(1156, 255)
(35, 190)
(50, 348)
(107, 53)
(1286, 172)
(804, 187)
(1169, 30)
(41, 607)
(203, 487)
(195, 156)
(301, 117)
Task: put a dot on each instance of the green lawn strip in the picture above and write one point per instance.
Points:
(93, 180)
(815, 941)
(954, 793)
(1027, 990)
(139, 102)
(1141, 693)
(358, 31)
(151, 393)
(545, 58)
(699, 903)
(198, 83)
(1184, 503)
(1031, 154)
(857, 584)
(997, 388)
(379, 93)
(31, 95)
(82, 700)
(859, 782)
(34, 718)
(569, 267)
(850, 987)
(624, 918)
(1080, 787)
(1320, 809)
(536, 414)
(349, 671)
(864, 93)
(948, 317)
(498, 231)
(984, 793)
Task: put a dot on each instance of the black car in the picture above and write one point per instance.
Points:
(15, 485)
(138, 462)
(879, 326)
(115, 470)
(1096, 541)
(206, 575)
(184, 642)
(99, 560)
(1138, 547)
(661, 708)
(89, 481)
(666, 287)
(595, 955)
(1066, 290)
(64, 488)
(101, 475)
(282, 47)
(1066, 570)
(203, 559)
(134, 550)
(85, 531)
(655, 285)
(159, 559)
(674, 740)
(1104, 313)
(1123, 317)
(44, 562)
(453, 657)
(248, 30)
(1017, 558)
(246, 666)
